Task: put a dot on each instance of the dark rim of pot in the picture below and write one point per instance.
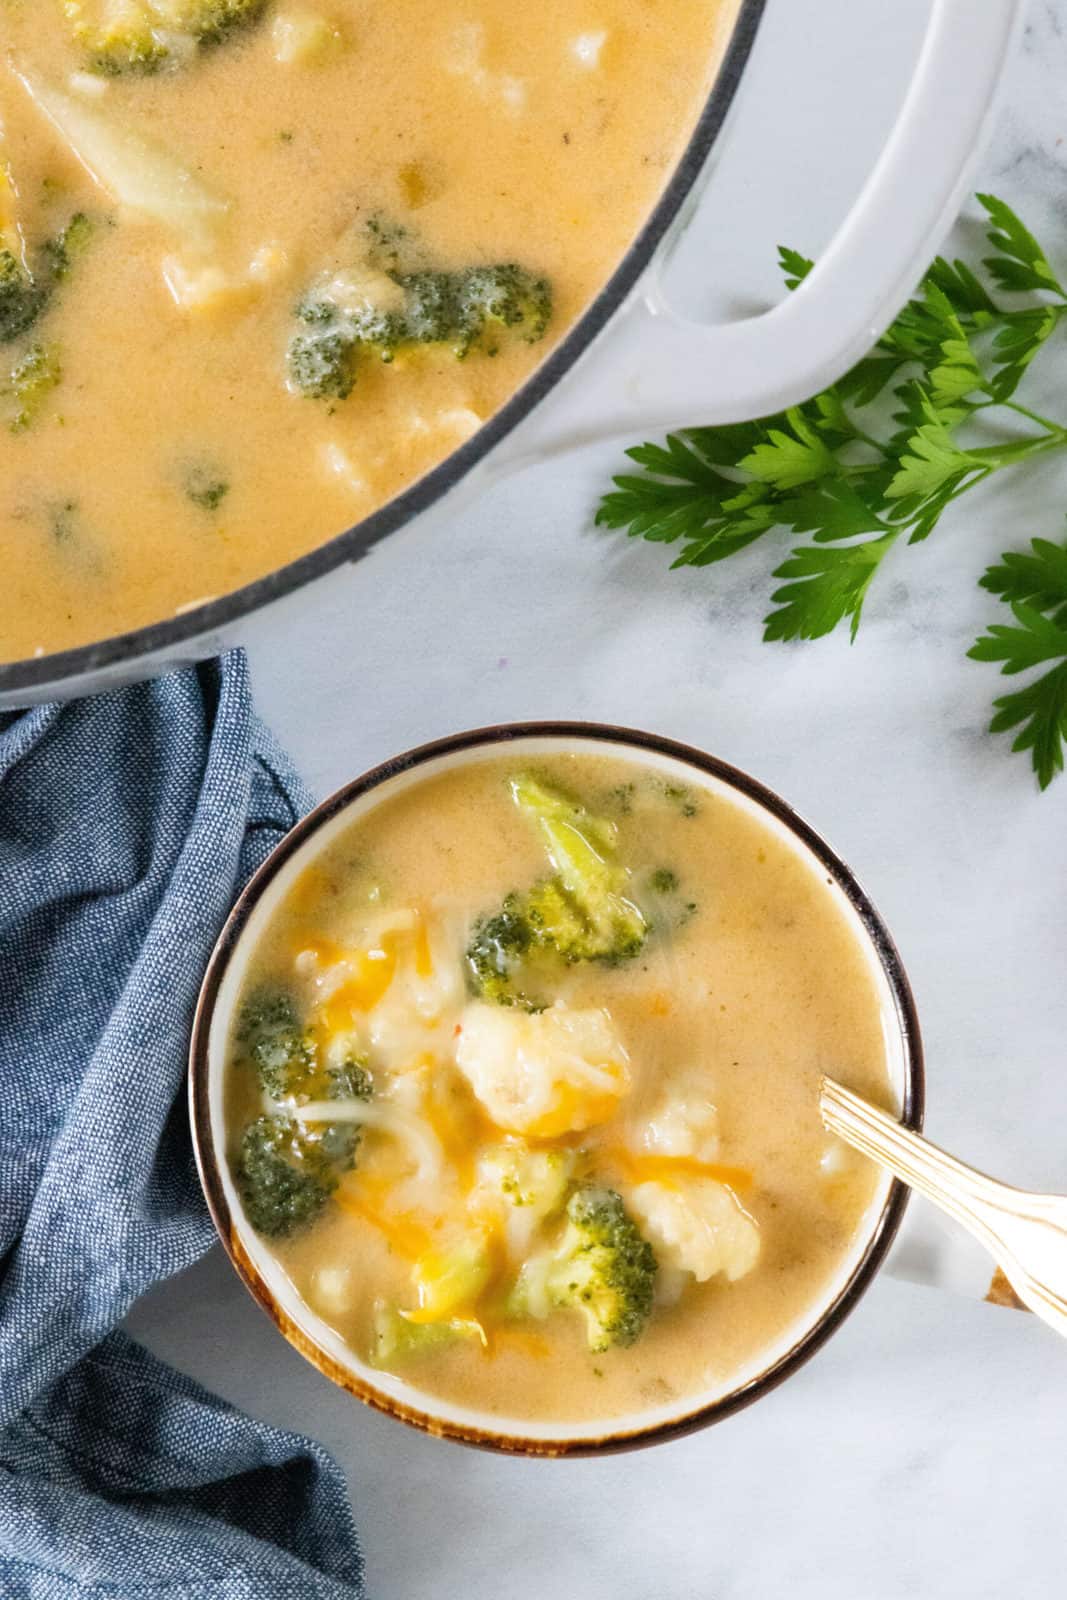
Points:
(209, 1162)
(357, 541)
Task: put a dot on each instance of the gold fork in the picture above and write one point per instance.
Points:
(1026, 1234)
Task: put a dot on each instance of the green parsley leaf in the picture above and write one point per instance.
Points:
(1038, 579)
(828, 584)
(1018, 339)
(1022, 263)
(794, 266)
(957, 374)
(789, 456)
(1032, 584)
(876, 459)
(962, 289)
(930, 460)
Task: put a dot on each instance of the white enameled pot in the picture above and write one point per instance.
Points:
(662, 370)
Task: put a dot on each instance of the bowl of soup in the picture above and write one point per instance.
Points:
(277, 275)
(504, 1087)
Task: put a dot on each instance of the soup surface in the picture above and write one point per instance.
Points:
(331, 171)
(523, 1087)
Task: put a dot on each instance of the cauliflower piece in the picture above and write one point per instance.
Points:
(303, 38)
(542, 1073)
(522, 1185)
(333, 1290)
(699, 1226)
(682, 1123)
(467, 59)
(337, 463)
(516, 1174)
(586, 48)
(204, 286)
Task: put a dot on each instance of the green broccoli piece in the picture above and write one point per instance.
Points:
(508, 296)
(533, 1179)
(682, 797)
(282, 1175)
(22, 298)
(672, 908)
(68, 246)
(579, 914)
(589, 883)
(144, 36)
(377, 311)
(663, 881)
(497, 948)
(275, 1042)
(286, 1168)
(602, 1267)
(286, 1058)
(322, 364)
(25, 295)
(395, 1340)
(32, 379)
(204, 486)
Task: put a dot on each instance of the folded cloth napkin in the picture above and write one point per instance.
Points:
(127, 823)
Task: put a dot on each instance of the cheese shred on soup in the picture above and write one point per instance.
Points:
(522, 1089)
(263, 263)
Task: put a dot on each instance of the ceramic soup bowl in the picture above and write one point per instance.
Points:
(263, 1275)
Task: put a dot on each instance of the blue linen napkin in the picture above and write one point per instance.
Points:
(128, 821)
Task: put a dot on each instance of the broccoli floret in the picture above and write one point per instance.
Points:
(275, 1042)
(377, 311)
(287, 1168)
(604, 1268)
(682, 797)
(143, 36)
(395, 1340)
(496, 950)
(663, 881)
(589, 881)
(282, 1175)
(68, 246)
(535, 1180)
(25, 294)
(322, 365)
(673, 908)
(507, 295)
(286, 1058)
(32, 379)
(579, 914)
(22, 298)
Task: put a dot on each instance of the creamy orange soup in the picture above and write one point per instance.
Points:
(523, 1088)
(154, 449)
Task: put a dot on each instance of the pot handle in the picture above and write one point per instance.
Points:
(658, 370)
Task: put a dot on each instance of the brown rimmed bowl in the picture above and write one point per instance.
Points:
(266, 1280)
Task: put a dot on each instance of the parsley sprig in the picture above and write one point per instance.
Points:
(877, 458)
(1035, 586)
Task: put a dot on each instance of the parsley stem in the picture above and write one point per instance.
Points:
(1035, 416)
(868, 438)
(1004, 455)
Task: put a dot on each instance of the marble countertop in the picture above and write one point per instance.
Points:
(921, 1453)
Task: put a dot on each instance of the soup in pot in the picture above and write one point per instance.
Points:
(263, 263)
(522, 1090)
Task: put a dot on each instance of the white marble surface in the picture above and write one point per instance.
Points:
(921, 1454)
